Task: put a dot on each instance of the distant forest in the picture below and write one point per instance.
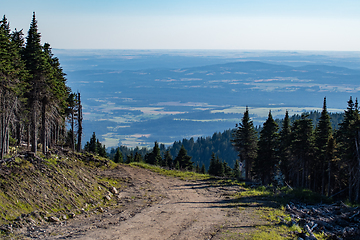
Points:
(219, 143)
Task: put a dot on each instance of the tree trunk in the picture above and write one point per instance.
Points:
(19, 133)
(329, 179)
(43, 127)
(72, 131)
(323, 179)
(350, 184)
(7, 138)
(303, 175)
(28, 135)
(80, 118)
(34, 129)
(1, 137)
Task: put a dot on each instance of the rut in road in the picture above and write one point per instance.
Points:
(158, 207)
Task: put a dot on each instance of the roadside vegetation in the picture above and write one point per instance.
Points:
(62, 185)
(183, 175)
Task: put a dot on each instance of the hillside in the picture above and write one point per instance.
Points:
(34, 189)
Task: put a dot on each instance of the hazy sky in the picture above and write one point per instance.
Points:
(191, 24)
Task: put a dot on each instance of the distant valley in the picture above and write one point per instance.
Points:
(136, 98)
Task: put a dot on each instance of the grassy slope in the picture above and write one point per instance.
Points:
(53, 185)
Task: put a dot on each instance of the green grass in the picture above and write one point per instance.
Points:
(269, 203)
(54, 185)
(173, 173)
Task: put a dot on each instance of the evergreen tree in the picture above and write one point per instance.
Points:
(129, 158)
(236, 171)
(118, 158)
(11, 71)
(323, 134)
(101, 150)
(197, 168)
(94, 146)
(31, 75)
(154, 157)
(168, 159)
(227, 169)
(202, 169)
(91, 146)
(302, 146)
(183, 159)
(36, 64)
(47, 90)
(285, 147)
(268, 154)
(218, 167)
(212, 166)
(138, 157)
(348, 139)
(245, 142)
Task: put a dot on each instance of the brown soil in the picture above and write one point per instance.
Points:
(153, 206)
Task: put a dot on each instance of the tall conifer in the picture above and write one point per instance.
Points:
(323, 134)
(302, 147)
(284, 147)
(268, 155)
(245, 142)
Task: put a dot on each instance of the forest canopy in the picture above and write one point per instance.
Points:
(34, 97)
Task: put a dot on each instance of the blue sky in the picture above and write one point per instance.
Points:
(326, 25)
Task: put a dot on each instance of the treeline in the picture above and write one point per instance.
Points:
(202, 149)
(319, 158)
(34, 98)
(156, 156)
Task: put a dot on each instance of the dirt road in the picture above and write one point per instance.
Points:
(157, 207)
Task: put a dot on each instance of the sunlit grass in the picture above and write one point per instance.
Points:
(184, 175)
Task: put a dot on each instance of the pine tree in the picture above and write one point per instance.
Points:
(227, 169)
(138, 157)
(154, 157)
(80, 119)
(302, 146)
(118, 158)
(268, 154)
(236, 171)
(323, 134)
(202, 169)
(285, 147)
(168, 159)
(31, 75)
(183, 159)
(212, 166)
(12, 74)
(129, 158)
(348, 139)
(245, 142)
(92, 144)
(197, 168)
(36, 64)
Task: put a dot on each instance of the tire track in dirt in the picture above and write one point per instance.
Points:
(164, 208)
